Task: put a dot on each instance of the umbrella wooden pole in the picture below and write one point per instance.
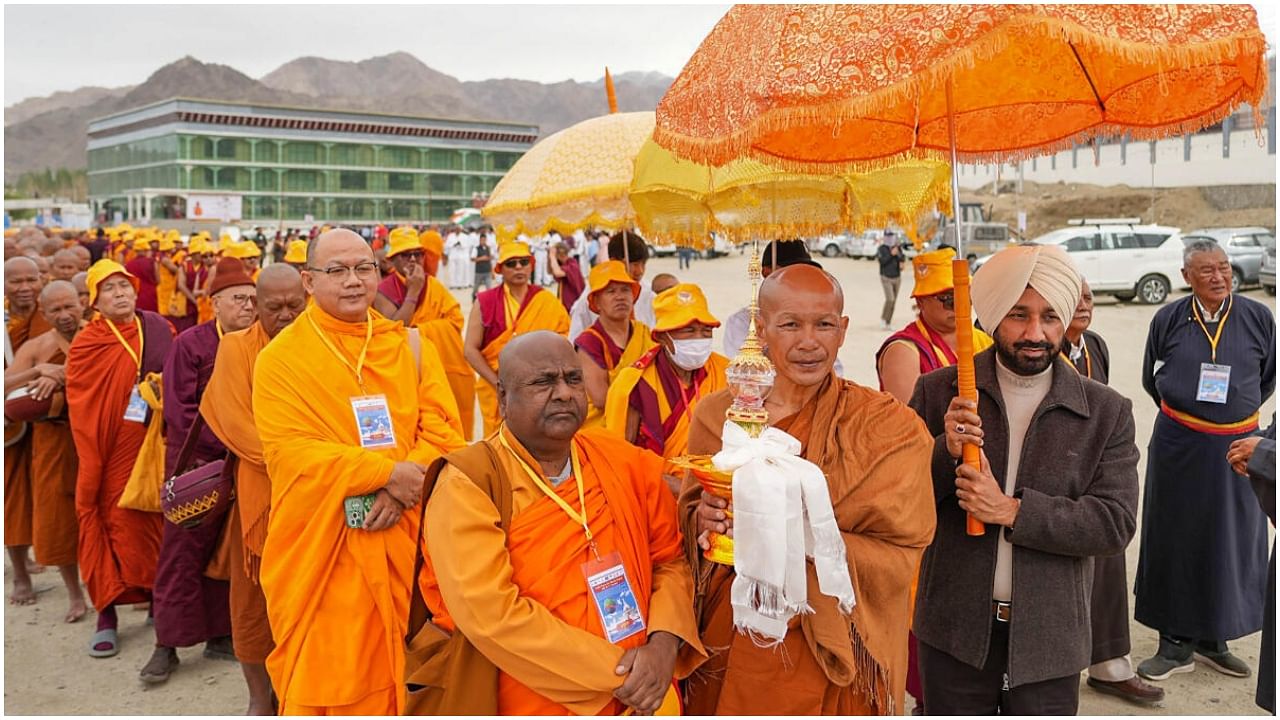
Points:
(965, 379)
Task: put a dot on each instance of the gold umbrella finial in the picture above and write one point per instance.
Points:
(750, 376)
(609, 91)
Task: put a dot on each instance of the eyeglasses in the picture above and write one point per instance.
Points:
(362, 270)
(514, 263)
(242, 300)
(948, 300)
(413, 254)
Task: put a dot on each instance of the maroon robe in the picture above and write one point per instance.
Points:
(144, 268)
(572, 284)
(189, 608)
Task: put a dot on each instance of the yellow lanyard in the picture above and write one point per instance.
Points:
(1088, 361)
(937, 351)
(358, 369)
(217, 325)
(137, 356)
(1213, 340)
(580, 518)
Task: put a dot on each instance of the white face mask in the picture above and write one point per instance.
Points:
(691, 354)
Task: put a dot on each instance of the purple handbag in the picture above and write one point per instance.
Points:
(203, 492)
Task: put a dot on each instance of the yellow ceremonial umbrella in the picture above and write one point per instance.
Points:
(683, 202)
(575, 179)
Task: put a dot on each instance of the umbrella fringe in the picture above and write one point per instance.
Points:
(719, 151)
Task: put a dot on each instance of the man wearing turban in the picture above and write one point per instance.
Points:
(1058, 485)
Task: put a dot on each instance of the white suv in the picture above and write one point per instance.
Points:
(1125, 260)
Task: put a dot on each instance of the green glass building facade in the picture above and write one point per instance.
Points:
(288, 163)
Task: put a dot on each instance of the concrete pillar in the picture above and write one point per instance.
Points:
(146, 205)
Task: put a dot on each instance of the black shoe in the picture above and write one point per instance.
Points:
(220, 648)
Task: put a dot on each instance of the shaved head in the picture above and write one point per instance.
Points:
(663, 282)
(802, 322)
(280, 297)
(22, 281)
(83, 255)
(541, 393)
(66, 264)
(348, 293)
(81, 282)
(60, 305)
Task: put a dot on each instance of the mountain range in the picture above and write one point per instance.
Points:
(51, 132)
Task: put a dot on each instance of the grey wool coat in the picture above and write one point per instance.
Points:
(1078, 483)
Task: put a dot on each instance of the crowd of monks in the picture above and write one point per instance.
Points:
(388, 550)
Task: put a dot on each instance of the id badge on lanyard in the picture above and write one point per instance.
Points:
(373, 422)
(136, 410)
(1215, 381)
(614, 600)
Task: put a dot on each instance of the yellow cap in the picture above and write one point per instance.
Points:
(297, 252)
(680, 307)
(141, 244)
(601, 275)
(102, 270)
(167, 244)
(512, 250)
(402, 239)
(432, 243)
(196, 245)
(933, 272)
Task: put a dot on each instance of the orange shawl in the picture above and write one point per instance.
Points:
(555, 643)
(119, 547)
(227, 406)
(876, 455)
(338, 598)
(55, 531)
(18, 457)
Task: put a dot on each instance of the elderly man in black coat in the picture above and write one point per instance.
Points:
(1003, 620)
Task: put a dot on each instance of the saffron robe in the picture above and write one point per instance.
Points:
(338, 597)
(227, 406)
(652, 388)
(1202, 564)
(875, 453)
(539, 311)
(18, 457)
(189, 607)
(520, 596)
(119, 547)
(600, 347)
(438, 317)
(55, 530)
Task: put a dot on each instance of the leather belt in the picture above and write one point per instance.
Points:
(1001, 610)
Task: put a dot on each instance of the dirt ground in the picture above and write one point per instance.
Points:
(47, 670)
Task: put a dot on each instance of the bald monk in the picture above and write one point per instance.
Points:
(513, 308)
(84, 258)
(191, 608)
(42, 264)
(65, 264)
(875, 454)
(412, 295)
(227, 406)
(38, 365)
(511, 581)
(344, 410)
(663, 282)
(119, 547)
(23, 321)
(79, 282)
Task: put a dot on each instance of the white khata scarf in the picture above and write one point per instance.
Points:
(781, 514)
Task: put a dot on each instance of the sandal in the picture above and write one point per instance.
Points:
(104, 636)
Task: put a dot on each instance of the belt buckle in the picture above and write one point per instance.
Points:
(1001, 610)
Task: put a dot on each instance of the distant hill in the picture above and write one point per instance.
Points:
(50, 132)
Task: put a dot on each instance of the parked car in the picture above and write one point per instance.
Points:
(1121, 259)
(865, 245)
(828, 245)
(1267, 274)
(1246, 247)
(662, 250)
(719, 248)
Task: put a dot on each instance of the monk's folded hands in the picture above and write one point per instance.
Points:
(649, 671)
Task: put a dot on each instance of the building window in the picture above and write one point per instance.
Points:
(352, 180)
(352, 209)
(503, 162)
(301, 152)
(400, 157)
(351, 155)
(225, 148)
(403, 209)
(301, 181)
(445, 160)
(266, 152)
(446, 185)
(400, 182)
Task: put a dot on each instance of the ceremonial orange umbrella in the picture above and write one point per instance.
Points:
(823, 87)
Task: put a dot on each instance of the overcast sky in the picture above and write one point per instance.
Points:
(48, 48)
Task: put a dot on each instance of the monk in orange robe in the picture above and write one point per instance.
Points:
(39, 365)
(227, 406)
(345, 411)
(119, 547)
(876, 457)
(517, 586)
(23, 321)
(513, 308)
(411, 294)
(651, 402)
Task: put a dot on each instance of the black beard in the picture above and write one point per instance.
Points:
(1019, 366)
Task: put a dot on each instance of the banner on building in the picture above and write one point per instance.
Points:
(214, 207)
